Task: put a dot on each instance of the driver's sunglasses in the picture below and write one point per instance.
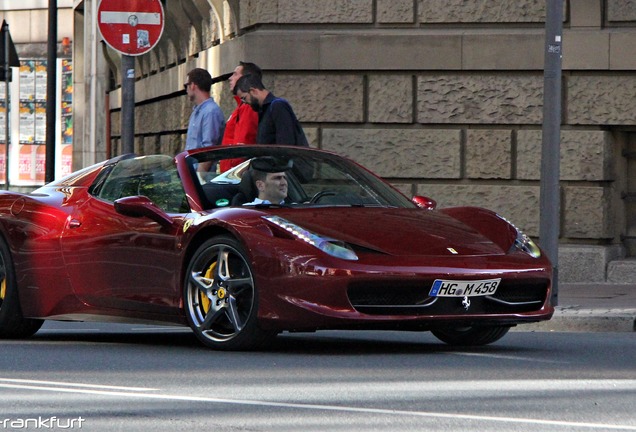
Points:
(185, 85)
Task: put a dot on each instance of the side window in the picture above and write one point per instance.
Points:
(155, 177)
(122, 181)
(165, 190)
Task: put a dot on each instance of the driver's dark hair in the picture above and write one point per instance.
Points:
(258, 175)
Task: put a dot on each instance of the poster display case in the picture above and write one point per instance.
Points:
(26, 108)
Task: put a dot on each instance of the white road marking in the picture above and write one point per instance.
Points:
(76, 388)
(508, 357)
(162, 329)
(58, 330)
(67, 384)
(166, 329)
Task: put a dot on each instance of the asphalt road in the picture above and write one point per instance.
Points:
(97, 377)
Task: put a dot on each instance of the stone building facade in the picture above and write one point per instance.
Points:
(443, 98)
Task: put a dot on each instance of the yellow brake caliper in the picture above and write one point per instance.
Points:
(205, 301)
(3, 289)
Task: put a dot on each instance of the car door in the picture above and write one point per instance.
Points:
(122, 262)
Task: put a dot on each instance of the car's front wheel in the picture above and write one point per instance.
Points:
(13, 325)
(221, 299)
(470, 335)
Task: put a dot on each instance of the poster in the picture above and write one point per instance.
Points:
(27, 80)
(67, 123)
(3, 121)
(67, 81)
(25, 163)
(3, 167)
(67, 103)
(40, 163)
(66, 161)
(40, 122)
(40, 80)
(27, 122)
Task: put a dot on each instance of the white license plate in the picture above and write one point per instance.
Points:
(461, 288)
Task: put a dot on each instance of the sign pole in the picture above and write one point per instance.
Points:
(551, 141)
(7, 78)
(51, 93)
(128, 104)
(132, 28)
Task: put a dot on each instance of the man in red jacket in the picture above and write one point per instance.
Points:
(242, 125)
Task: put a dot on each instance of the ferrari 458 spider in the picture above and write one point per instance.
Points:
(158, 239)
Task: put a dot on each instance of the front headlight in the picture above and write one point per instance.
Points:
(329, 246)
(525, 244)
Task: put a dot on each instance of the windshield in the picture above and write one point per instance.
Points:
(314, 178)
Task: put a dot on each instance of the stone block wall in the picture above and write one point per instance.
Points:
(480, 99)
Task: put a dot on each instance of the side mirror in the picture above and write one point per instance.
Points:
(141, 206)
(424, 202)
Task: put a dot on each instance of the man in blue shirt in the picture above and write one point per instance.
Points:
(206, 124)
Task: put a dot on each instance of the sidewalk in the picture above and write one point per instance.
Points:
(591, 307)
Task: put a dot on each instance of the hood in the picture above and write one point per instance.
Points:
(395, 231)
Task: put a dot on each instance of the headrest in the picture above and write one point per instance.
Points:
(247, 188)
(271, 164)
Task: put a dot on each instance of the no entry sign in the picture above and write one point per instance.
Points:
(132, 27)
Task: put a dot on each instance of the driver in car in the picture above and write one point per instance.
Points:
(270, 180)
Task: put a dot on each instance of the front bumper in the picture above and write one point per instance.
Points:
(312, 293)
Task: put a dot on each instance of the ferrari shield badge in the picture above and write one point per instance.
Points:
(187, 224)
(466, 302)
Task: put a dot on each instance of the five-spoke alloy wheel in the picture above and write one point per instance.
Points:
(221, 300)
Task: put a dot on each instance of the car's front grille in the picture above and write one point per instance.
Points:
(522, 291)
(411, 298)
(388, 294)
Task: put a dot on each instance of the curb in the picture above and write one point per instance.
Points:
(574, 319)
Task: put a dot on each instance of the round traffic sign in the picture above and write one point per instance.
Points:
(132, 27)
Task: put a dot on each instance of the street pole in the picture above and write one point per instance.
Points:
(551, 138)
(127, 104)
(51, 93)
(7, 112)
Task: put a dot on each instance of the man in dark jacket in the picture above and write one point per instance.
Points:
(277, 123)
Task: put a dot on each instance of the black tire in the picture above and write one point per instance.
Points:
(12, 324)
(470, 335)
(221, 299)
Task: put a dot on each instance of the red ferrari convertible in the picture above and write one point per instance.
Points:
(158, 239)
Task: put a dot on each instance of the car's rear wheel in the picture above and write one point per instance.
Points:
(221, 299)
(13, 325)
(470, 335)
